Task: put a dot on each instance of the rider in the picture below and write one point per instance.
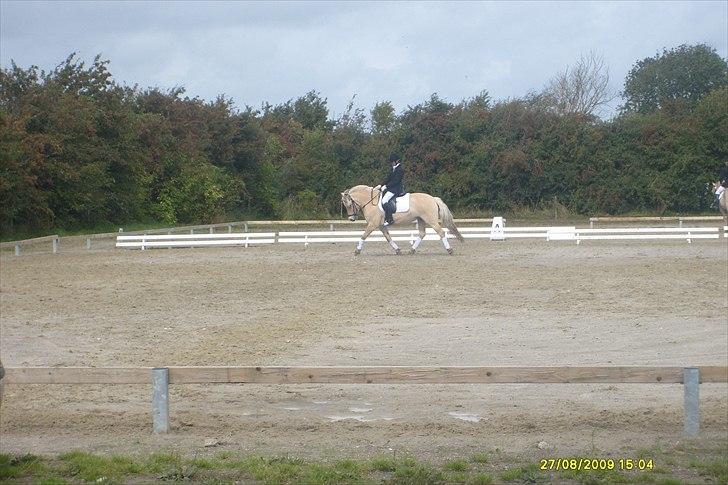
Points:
(393, 187)
(723, 180)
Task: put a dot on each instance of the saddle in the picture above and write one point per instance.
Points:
(397, 204)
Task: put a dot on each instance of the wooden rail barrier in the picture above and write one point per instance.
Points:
(161, 378)
(54, 239)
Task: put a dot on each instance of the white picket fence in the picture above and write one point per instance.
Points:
(547, 233)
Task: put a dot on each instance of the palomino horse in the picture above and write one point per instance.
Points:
(426, 209)
(722, 201)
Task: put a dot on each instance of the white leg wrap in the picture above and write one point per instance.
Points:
(417, 242)
(360, 244)
(445, 243)
(394, 245)
(719, 190)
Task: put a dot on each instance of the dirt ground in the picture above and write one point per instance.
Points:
(494, 303)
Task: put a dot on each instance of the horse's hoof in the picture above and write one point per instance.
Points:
(413, 251)
(398, 252)
(449, 251)
(357, 252)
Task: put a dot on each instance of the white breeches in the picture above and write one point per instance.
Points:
(385, 198)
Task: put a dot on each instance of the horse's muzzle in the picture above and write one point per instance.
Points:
(352, 218)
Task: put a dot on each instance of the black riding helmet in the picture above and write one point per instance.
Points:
(394, 158)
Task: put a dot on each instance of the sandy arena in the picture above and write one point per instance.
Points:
(493, 303)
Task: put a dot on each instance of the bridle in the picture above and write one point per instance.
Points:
(356, 207)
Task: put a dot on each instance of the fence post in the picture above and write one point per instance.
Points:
(211, 230)
(17, 249)
(55, 245)
(88, 243)
(160, 399)
(691, 384)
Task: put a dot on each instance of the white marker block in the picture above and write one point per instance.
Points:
(497, 229)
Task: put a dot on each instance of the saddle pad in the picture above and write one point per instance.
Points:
(403, 203)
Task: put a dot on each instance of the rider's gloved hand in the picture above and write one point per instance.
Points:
(384, 188)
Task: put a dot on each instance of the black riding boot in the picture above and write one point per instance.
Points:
(388, 217)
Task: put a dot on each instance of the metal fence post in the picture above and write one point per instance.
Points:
(55, 245)
(691, 384)
(160, 399)
(17, 249)
(88, 243)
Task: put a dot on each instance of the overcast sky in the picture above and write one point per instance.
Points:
(402, 52)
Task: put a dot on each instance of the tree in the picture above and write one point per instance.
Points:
(581, 89)
(383, 118)
(311, 111)
(687, 73)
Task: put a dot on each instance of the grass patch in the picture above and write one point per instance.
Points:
(480, 458)
(481, 479)
(669, 481)
(413, 473)
(20, 466)
(527, 473)
(228, 467)
(383, 464)
(91, 468)
(456, 466)
(715, 468)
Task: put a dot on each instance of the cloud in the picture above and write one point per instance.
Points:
(396, 51)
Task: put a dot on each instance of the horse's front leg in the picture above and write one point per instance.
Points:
(360, 245)
(385, 231)
(421, 235)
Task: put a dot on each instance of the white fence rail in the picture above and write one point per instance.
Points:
(678, 219)
(547, 233)
(194, 240)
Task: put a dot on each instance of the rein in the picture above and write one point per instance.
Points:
(357, 207)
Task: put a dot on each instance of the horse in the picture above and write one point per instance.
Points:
(426, 209)
(722, 201)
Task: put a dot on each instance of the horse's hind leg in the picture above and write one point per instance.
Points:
(435, 224)
(422, 230)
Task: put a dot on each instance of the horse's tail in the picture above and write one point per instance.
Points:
(446, 218)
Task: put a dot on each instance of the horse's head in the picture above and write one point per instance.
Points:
(352, 209)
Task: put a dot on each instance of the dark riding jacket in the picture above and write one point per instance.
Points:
(723, 174)
(394, 181)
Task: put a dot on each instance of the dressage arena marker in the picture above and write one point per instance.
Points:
(162, 377)
(496, 229)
